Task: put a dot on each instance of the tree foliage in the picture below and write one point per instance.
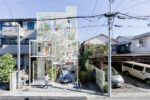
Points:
(94, 49)
(7, 64)
(83, 58)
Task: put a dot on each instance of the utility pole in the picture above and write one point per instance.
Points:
(109, 53)
(109, 15)
(18, 56)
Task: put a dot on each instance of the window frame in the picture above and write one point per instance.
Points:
(1, 42)
(1, 26)
(142, 43)
(127, 65)
(27, 41)
(136, 68)
(147, 71)
(30, 25)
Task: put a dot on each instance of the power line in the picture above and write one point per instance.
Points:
(61, 18)
(87, 31)
(121, 1)
(8, 9)
(28, 2)
(94, 33)
(138, 4)
(135, 17)
(99, 25)
(133, 27)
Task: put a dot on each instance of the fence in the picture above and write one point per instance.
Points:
(100, 78)
(14, 80)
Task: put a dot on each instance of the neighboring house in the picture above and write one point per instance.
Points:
(98, 40)
(123, 44)
(8, 37)
(135, 44)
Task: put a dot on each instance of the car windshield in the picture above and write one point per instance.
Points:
(114, 72)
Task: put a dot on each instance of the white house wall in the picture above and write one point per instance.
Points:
(121, 39)
(136, 49)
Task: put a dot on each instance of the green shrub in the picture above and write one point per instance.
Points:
(7, 63)
(83, 76)
(49, 71)
(106, 87)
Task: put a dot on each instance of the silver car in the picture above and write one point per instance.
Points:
(116, 79)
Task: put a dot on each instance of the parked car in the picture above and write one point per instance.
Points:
(139, 70)
(65, 77)
(116, 79)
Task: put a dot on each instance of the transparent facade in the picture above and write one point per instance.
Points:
(41, 48)
(56, 45)
(62, 32)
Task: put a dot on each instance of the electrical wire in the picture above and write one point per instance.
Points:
(121, 1)
(61, 18)
(133, 27)
(8, 8)
(99, 25)
(133, 6)
(135, 17)
(87, 31)
(29, 2)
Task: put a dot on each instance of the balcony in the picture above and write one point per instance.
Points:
(12, 49)
(12, 32)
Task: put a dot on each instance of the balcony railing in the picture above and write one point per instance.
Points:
(11, 31)
(12, 49)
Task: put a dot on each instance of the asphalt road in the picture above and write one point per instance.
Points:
(41, 98)
(132, 84)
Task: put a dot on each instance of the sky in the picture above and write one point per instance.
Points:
(29, 9)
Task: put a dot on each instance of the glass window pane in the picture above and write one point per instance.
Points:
(139, 68)
(148, 70)
(128, 65)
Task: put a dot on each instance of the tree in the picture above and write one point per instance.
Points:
(83, 58)
(7, 64)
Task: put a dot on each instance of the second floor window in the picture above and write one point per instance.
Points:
(1, 43)
(6, 41)
(13, 41)
(1, 25)
(27, 41)
(30, 25)
(142, 43)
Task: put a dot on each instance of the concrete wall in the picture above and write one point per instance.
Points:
(100, 78)
(135, 48)
(14, 79)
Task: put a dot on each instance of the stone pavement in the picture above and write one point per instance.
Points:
(72, 96)
(67, 93)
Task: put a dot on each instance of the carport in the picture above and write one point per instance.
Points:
(121, 57)
(132, 84)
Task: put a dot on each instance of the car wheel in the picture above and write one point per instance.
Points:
(126, 73)
(148, 81)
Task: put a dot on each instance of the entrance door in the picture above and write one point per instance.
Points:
(40, 69)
